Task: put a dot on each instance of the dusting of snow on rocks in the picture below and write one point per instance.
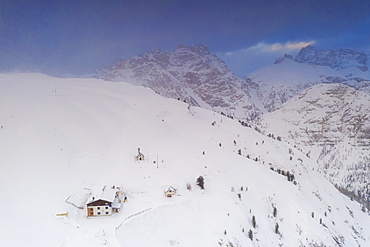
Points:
(274, 85)
(331, 122)
(191, 74)
(336, 59)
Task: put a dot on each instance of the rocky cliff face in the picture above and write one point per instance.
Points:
(336, 59)
(276, 84)
(331, 123)
(189, 73)
(193, 74)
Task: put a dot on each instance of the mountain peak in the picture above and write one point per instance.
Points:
(281, 59)
(199, 49)
(336, 59)
(190, 73)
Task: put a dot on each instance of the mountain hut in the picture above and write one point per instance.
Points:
(104, 202)
(171, 191)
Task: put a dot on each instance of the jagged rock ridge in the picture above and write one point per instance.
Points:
(189, 73)
(277, 83)
(336, 59)
(195, 75)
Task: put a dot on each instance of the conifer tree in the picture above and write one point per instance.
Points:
(277, 228)
(200, 182)
(250, 234)
(274, 212)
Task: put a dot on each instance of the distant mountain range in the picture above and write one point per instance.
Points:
(318, 100)
(193, 74)
(189, 73)
(275, 84)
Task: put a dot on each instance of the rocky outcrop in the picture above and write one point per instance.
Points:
(277, 83)
(331, 123)
(336, 59)
(281, 59)
(190, 73)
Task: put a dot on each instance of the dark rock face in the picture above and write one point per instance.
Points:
(194, 75)
(331, 120)
(190, 73)
(281, 59)
(336, 59)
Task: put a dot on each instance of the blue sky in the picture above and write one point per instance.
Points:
(81, 36)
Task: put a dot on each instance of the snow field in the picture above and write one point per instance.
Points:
(61, 137)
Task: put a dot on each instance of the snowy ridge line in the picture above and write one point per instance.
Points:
(132, 215)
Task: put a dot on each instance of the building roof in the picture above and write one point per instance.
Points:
(99, 202)
(106, 194)
(169, 189)
(140, 155)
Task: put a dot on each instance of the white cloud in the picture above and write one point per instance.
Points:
(263, 47)
(276, 47)
(247, 60)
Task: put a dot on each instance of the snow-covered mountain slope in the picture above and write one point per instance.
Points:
(275, 84)
(331, 120)
(61, 137)
(189, 73)
(195, 75)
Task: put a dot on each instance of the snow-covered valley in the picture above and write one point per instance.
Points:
(61, 137)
